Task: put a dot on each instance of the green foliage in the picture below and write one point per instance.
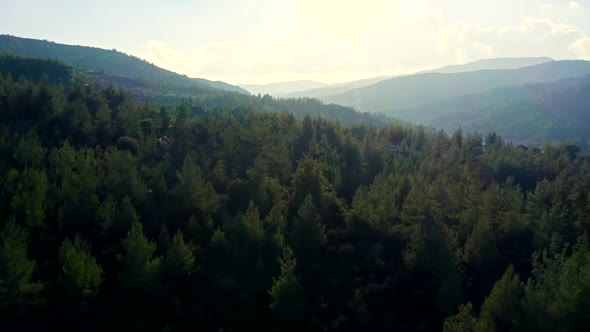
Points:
(308, 234)
(128, 143)
(29, 151)
(36, 69)
(392, 228)
(29, 200)
(194, 193)
(501, 310)
(481, 251)
(179, 260)
(139, 269)
(17, 290)
(286, 291)
(463, 321)
(556, 298)
(81, 274)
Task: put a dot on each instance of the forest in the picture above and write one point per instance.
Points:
(137, 216)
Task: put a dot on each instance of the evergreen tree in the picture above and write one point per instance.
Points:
(179, 260)
(308, 234)
(286, 291)
(81, 275)
(17, 289)
(139, 269)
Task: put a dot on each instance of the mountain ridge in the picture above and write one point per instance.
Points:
(407, 91)
(278, 89)
(528, 114)
(481, 64)
(111, 62)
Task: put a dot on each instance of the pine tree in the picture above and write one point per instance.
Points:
(139, 269)
(463, 321)
(308, 234)
(286, 291)
(179, 259)
(16, 270)
(501, 310)
(81, 275)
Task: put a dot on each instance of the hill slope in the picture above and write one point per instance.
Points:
(536, 113)
(496, 63)
(35, 69)
(408, 91)
(493, 63)
(281, 88)
(110, 62)
(337, 88)
(55, 72)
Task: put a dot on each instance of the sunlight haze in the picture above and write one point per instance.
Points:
(263, 41)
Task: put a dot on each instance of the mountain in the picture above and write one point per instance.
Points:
(281, 88)
(392, 95)
(535, 113)
(496, 63)
(110, 62)
(45, 70)
(334, 89)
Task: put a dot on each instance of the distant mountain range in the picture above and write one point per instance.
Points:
(527, 114)
(326, 90)
(493, 63)
(397, 93)
(280, 89)
(111, 63)
(334, 89)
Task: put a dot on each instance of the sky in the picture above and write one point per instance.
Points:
(264, 41)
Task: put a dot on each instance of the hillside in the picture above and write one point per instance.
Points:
(35, 69)
(334, 89)
(54, 71)
(408, 91)
(110, 62)
(279, 89)
(495, 63)
(536, 113)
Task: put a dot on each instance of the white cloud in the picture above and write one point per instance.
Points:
(386, 48)
(533, 37)
(582, 48)
(574, 5)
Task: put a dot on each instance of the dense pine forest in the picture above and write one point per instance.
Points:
(124, 215)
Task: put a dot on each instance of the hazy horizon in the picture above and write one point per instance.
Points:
(263, 41)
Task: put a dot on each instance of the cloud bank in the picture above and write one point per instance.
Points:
(383, 48)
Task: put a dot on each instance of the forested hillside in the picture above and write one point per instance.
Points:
(279, 89)
(484, 64)
(391, 95)
(111, 64)
(53, 71)
(529, 114)
(119, 215)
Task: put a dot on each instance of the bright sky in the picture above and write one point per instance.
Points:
(262, 41)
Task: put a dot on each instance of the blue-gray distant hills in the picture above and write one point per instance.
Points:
(495, 63)
(527, 114)
(280, 89)
(397, 93)
(113, 65)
